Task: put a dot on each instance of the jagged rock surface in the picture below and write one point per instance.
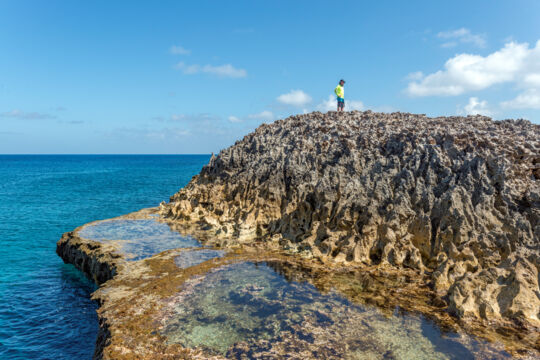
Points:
(457, 198)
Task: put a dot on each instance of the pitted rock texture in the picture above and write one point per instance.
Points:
(457, 198)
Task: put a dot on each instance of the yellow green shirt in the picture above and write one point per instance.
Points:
(340, 91)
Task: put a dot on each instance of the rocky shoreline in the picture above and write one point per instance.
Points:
(435, 216)
(455, 197)
(99, 261)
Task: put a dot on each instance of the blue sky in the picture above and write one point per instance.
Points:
(193, 77)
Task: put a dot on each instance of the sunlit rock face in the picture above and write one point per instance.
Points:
(455, 197)
(247, 310)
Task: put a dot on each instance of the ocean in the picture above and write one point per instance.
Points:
(45, 306)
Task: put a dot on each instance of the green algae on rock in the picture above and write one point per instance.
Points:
(140, 299)
(247, 309)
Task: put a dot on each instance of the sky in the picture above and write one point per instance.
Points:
(178, 77)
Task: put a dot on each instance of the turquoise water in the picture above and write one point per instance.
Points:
(138, 239)
(45, 309)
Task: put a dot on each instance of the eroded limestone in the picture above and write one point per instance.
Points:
(455, 197)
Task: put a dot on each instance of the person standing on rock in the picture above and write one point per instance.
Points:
(340, 93)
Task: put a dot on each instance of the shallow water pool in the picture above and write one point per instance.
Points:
(195, 257)
(249, 310)
(138, 239)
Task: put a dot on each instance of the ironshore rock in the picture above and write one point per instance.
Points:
(457, 198)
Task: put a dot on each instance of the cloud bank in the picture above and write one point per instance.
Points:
(516, 64)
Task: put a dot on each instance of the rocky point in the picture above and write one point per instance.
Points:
(456, 198)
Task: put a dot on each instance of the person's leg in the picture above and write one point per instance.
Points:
(340, 105)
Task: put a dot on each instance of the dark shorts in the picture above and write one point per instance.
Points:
(341, 101)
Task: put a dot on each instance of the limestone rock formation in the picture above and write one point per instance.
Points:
(457, 198)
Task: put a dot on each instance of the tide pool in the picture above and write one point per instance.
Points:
(138, 239)
(251, 310)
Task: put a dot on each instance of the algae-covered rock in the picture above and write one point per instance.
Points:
(457, 198)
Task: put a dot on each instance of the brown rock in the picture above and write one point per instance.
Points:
(456, 197)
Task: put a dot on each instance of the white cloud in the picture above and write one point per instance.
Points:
(295, 98)
(188, 69)
(327, 105)
(532, 80)
(354, 105)
(18, 114)
(179, 50)
(417, 75)
(330, 104)
(475, 107)
(226, 70)
(234, 119)
(529, 99)
(461, 35)
(263, 115)
(449, 44)
(514, 63)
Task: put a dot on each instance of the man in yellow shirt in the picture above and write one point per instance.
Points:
(340, 93)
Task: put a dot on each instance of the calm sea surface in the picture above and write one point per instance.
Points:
(45, 310)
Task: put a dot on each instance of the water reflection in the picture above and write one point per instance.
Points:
(194, 257)
(138, 239)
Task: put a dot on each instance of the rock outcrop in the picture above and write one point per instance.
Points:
(457, 198)
(96, 260)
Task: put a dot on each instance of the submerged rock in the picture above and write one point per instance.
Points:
(457, 198)
(247, 310)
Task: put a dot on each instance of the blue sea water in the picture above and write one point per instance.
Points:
(45, 306)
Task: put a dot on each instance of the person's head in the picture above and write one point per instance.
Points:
(341, 82)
